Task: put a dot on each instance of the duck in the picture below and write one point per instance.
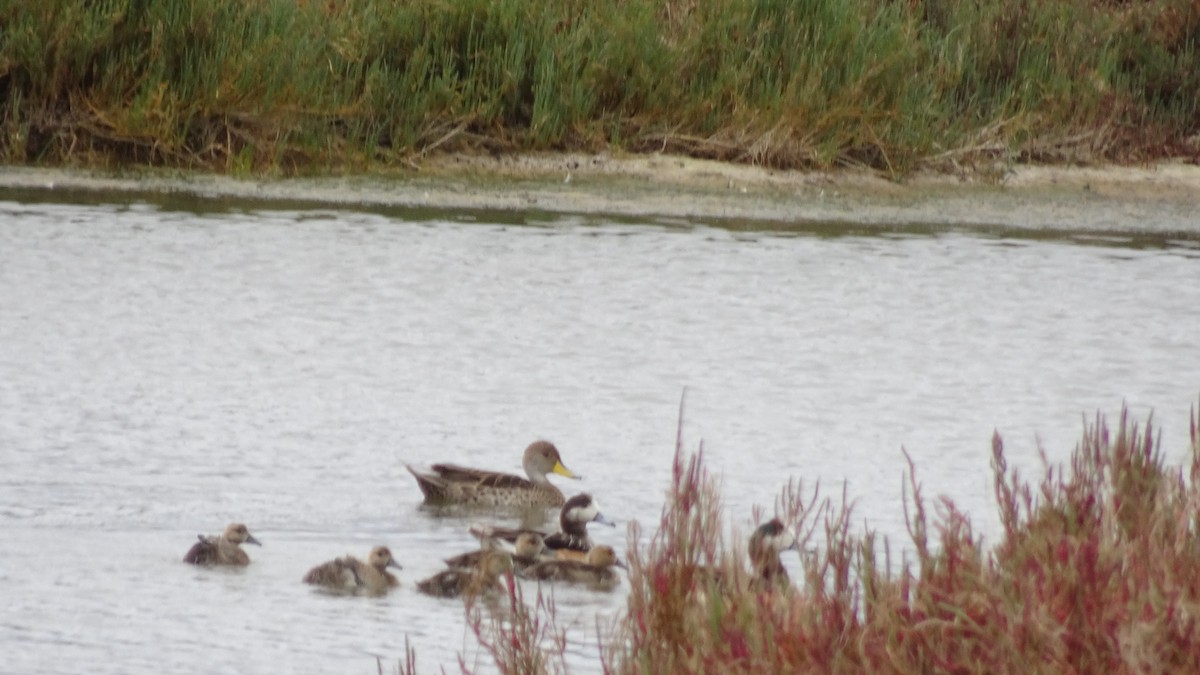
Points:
(572, 541)
(351, 574)
(224, 549)
(453, 484)
(767, 542)
(527, 551)
(596, 569)
(767, 572)
(484, 578)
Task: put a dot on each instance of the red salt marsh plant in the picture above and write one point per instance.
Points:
(1097, 570)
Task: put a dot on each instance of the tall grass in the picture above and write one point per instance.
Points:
(294, 85)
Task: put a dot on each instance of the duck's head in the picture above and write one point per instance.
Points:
(381, 558)
(771, 538)
(541, 458)
(529, 544)
(579, 511)
(238, 533)
(604, 556)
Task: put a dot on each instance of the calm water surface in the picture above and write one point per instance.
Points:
(164, 371)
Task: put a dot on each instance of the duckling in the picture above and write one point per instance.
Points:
(767, 542)
(484, 578)
(351, 574)
(527, 550)
(453, 484)
(222, 550)
(596, 569)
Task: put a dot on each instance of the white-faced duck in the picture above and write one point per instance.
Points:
(766, 543)
(572, 541)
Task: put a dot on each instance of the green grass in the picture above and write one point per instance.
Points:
(1096, 570)
(319, 85)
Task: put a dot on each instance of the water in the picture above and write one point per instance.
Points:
(166, 369)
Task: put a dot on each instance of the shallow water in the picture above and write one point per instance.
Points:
(167, 368)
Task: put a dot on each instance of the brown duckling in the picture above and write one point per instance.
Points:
(225, 549)
(453, 484)
(595, 570)
(527, 550)
(484, 578)
(351, 574)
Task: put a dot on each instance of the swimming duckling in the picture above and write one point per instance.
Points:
(596, 569)
(484, 578)
(527, 550)
(351, 574)
(453, 484)
(767, 542)
(222, 550)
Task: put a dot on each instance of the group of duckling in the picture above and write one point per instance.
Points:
(566, 555)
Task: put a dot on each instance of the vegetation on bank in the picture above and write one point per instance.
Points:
(316, 85)
(1097, 570)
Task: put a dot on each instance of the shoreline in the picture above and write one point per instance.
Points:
(1162, 199)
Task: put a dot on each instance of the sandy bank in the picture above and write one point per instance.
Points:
(1161, 199)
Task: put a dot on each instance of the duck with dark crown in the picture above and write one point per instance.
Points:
(767, 542)
(224, 549)
(572, 541)
(454, 484)
(351, 574)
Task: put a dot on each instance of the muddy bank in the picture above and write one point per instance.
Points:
(1160, 199)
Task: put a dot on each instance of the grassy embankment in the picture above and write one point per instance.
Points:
(1097, 570)
(315, 85)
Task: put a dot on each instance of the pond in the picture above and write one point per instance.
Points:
(171, 365)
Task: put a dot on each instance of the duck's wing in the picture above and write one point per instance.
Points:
(453, 473)
(203, 552)
(557, 570)
(506, 534)
(444, 584)
(563, 541)
(469, 560)
(339, 573)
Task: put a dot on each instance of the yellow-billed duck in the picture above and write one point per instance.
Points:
(453, 484)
